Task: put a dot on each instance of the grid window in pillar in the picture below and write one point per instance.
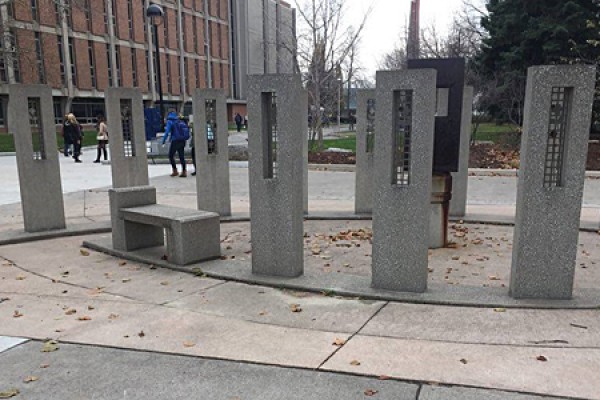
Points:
(34, 112)
(211, 126)
(402, 114)
(557, 136)
(370, 125)
(270, 134)
(127, 127)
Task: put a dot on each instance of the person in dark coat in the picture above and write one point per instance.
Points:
(238, 121)
(72, 134)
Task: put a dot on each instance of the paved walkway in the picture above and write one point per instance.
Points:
(130, 330)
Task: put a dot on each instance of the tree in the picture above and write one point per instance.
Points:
(324, 44)
(520, 34)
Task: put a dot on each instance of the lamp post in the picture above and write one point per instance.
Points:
(156, 15)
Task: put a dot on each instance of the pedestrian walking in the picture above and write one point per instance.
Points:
(178, 133)
(73, 135)
(238, 121)
(66, 144)
(102, 137)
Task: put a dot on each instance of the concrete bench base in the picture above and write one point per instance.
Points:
(138, 222)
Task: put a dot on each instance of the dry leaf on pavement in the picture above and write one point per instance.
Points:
(30, 379)
(541, 358)
(371, 392)
(17, 314)
(7, 394)
(50, 346)
(355, 362)
(339, 342)
(295, 308)
(84, 318)
(500, 309)
(463, 360)
(44, 366)
(70, 311)
(121, 263)
(189, 344)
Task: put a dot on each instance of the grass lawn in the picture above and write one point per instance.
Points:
(7, 143)
(348, 143)
(492, 132)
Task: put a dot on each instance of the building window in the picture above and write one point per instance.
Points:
(183, 31)
(110, 70)
(92, 64)
(221, 78)
(148, 66)
(186, 72)
(177, 28)
(197, 71)
(39, 57)
(168, 75)
(194, 34)
(118, 65)
(35, 11)
(166, 28)
(134, 67)
(105, 16)
(73, 64)
(130, 18)
(220, 48)
(114, 17)
(61, 56)
(87, 9)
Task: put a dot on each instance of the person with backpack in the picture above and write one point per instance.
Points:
(178, 132)
(238, 121)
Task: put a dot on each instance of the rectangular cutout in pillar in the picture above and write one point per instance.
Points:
(34, 109)
(402, 113)
(269, 115)
(370, 125)
(557, 136)
(127, 128)
(211, 126)
(442, 99)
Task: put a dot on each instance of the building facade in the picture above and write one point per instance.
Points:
(82, 47)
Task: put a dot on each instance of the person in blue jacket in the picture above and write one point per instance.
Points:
(177, 144)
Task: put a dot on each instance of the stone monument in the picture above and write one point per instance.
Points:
(211, 145)
(556, 128)
(277, 107)
(402, 176)
(125, 119)
(365, 141)
(460, 179)
(31, 121)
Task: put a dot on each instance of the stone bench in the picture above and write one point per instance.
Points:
(138, 222)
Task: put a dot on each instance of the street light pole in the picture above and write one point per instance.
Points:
(339, 118)
(156, 15)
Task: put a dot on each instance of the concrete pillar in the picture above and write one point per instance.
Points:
(125, 120)
(277, 109)
(212, 157)
(402, 175)
(31, 121)
(365, 140)
(558, 105)
(460, 179)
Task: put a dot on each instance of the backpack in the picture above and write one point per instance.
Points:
(180, 131)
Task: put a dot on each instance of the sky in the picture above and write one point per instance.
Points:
(387, 22)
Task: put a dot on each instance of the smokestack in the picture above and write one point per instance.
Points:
(413, 42)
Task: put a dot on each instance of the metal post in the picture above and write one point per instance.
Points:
(339, 119)
(159, 79)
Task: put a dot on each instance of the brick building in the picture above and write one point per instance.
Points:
(81, 47)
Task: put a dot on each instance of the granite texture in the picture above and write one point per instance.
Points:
(126, 171)
(276, 205)
(547, 219)
(401, 213)
(130, 236)
(212, 178)
(39, 180)
(460, 179)
(363, 200)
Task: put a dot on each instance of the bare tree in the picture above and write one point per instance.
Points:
(323, 46)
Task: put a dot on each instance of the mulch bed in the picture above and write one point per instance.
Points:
(493, 156)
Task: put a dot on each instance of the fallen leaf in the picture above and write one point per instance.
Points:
(455, 258)
(339, 342)
(165, 283)
(141, 334)
(493, 278)
(384, 377)
(355, 362)
(17, 314)
(84, 252)
(84, 318)
(20, 278)
(262, 313)
(500, 309)
(578, 326)
(463, 360)
(121, 263)
(7, 394)
(189, 344)
(50, 346)
(295, 308)
(70, 311)
(30, 379)
(370, 392)
(541, 358)
(125, 280)
(91, 308)
(44, 366)
(113, 316)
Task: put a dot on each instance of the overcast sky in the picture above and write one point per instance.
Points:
(387, 21)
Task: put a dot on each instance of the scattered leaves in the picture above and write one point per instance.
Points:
(165, 283)
(44, 366)
(371, 392)
(384, 377)
(30, 379)
(339, 342)
(122, 263)
(463, 360)
(188, 344)
(141, 334)
(20, 278)
(500, 309)
(70, 311)
(125, 280)
(541, 358)
(113, 316)
(295, 308)
(84, 318)
(84, 253)
(50, 346)
(7, 394)
(91, 308)
(17, 314)
(355, 362)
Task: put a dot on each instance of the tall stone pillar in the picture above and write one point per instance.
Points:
(365, 141)
(558, 105)
(402, 174)
(460, 179)
(31, 121)
(128, 154)
(277, 109)
(212, 155)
